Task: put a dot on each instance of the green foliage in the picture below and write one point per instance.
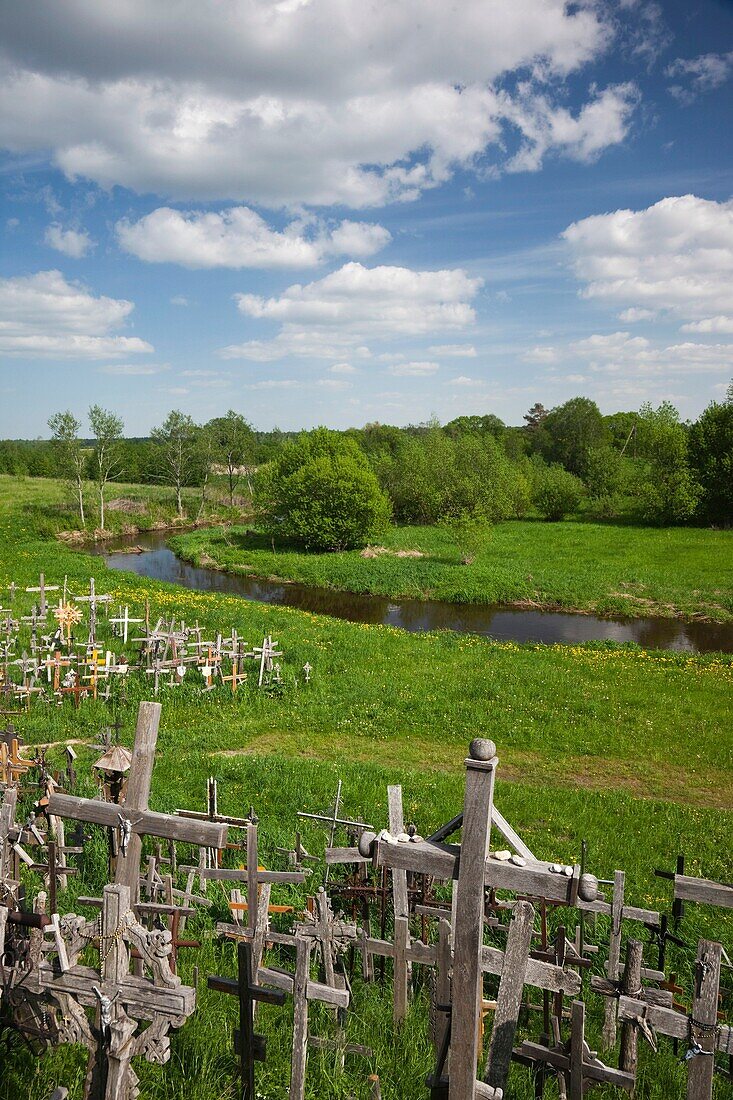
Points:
(711, 459)
(666, 491)
(177, 440)
(432, 476)
(471, 533)
(71, 457)
(233, 446)
(556, 493)
(322, 493)
(107, 430)
(569, 432)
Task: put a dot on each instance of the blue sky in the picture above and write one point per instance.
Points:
(333, 211)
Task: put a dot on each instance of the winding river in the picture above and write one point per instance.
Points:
(493, 621)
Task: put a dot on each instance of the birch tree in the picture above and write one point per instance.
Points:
(107, 431)
(177, 439)
(72, 459)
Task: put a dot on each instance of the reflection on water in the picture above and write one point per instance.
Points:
(493, 621)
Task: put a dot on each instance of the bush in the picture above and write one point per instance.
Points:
(322, 493)
(556, 492)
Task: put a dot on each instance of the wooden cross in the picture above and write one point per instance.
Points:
(123, 620)
(56, 662)
(249, 1046)
(701, 1029)
(42, 588)
(121, 999)
(12, 765)
(332, 934)
(93, 600)
(67, 616)
(579, 1064)
(133, 819)
(703, 890)
(333, 820)
(266, 652)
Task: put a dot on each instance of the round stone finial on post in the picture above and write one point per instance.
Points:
(481, 748)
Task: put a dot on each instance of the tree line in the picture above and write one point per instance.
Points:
(644, 466)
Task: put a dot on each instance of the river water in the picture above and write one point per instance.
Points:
(491, 620)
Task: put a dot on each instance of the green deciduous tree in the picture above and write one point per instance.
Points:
(667, 491)
(107, 462)
(233, 443)
(711, 460)
(72, 459)
(321, 492)
(569, 432)
(177, 440)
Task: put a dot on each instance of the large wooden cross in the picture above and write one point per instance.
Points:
(133, 819)
(120, 998)
(42, 588)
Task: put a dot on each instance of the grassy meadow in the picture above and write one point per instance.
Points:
(626, 749)
(605, 568)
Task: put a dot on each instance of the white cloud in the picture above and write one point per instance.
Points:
(454, 351)
(43, 315)
(620, 353)
(179, 300)
(722, 325)
(632, 315)
(320, 102)
(333, 317)
(239, 238)
(676, 255)
(133, 370)
(377, 300)
(72, 242)
(422, 369)
(342, 368)
(541, 354)
(275, 384)
(699, 74)
(545, 126)
(334, 384)
(464, 380)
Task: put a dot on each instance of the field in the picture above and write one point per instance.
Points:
(604, 568)
(626, 749)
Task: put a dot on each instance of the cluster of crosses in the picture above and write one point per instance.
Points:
(76, 646)
(467, 920)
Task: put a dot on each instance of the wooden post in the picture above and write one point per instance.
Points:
(614, 957)
(703, 1022)
(300, 1018)
(138, 791)
(631, 988)
(511, 987)
(400, 901)
(467, 973)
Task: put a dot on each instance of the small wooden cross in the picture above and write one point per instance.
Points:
(249, 1046)
(42, 588)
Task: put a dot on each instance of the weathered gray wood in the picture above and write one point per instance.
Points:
(510, 835)
(577, 1038)
(467, 971)
(233, 874)
(144, 823)
(444, 966)
(661, 998)
(401, 905)
(703, 890)
(139, 781)
(316, 991)
(542, 975)
(345, 855)
(592, 1070)
(300, 1019)
(614, 957)
(701, 1067)
(669, 1022)
(628, 1058)
(509, 1000)
(252, 875)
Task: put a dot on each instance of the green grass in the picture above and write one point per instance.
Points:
(604, 568)
(625, 749)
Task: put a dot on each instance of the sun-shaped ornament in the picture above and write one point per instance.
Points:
(67, 615)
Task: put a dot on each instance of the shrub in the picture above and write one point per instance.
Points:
(556, 491)
(322, 493)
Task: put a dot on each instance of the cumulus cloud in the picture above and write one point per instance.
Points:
(541, 354)
(133, 370)
(630, 316)
(43, 315)
(334, 317)
(72, 242)
(722, 325)
(698, 75)
(284, 103)
(675, 256)
(342, 368)
(239, 238)
(620, 353)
